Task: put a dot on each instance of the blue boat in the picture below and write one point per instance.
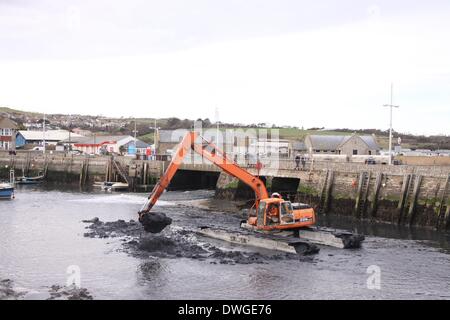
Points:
(6, 191)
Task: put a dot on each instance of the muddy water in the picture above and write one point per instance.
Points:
(42, 235)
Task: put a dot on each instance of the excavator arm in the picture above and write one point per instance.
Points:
(208, 151)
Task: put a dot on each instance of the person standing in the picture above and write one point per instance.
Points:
(297, 162)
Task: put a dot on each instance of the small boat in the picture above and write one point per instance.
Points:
(30, 180)
(113, 186)
(7, 189)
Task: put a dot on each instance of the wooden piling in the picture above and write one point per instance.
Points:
(376, 192)
(442, 217)
(81, 173)
(328, 190)
(403, 195)
(323, 193)
(413, 199)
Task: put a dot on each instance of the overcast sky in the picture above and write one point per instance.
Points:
(290, 62)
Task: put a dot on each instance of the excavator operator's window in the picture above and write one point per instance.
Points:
(286, 207)
(273, 212)
(286, 212)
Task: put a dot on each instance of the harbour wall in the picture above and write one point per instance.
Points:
(405, 194)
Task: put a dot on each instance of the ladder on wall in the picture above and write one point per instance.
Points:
(121, 171)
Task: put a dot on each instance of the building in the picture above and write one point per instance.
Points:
(7, 134)
(97, 144)
(141, 147)
(168, 140)
(345, 145)
(51, 137)
(271, 147)
(297, 147)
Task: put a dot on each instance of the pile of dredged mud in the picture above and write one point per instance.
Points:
(55, 292)
(173, 242)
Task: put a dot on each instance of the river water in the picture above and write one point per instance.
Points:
(41, 236)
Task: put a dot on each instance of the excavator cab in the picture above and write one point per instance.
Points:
(277, 213)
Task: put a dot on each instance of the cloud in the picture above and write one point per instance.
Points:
(337, 76)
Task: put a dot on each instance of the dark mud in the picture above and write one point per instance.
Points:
(69, 293)
(155, 222)
(55, 292)
(174, 243)
(119, 228)
(7, 291)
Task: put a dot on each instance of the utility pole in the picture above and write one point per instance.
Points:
(155, 135)
(391, 105)
(43, 132)
(70, 128)
(135, 144)
(217, 126)
(135, 131)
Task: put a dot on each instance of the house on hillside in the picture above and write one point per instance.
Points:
(342, 144)
(82, 132)
(7, 134)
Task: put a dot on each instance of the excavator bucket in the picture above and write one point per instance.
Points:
(154, 222)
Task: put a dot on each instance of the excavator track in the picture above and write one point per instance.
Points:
(317, 235)
(271, 242)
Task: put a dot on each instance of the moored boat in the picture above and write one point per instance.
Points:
(30, 180)
(112, 186)
(6, 191)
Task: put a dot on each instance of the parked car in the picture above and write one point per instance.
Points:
(370, 161)
(397, 162)
(75, 152)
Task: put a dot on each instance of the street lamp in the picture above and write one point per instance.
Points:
(391, 105)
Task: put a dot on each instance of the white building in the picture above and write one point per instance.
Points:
(97, 144)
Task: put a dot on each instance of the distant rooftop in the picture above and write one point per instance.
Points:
(334, 142)
(53, 135)
(100, 139)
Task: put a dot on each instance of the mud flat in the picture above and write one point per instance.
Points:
(174, 242)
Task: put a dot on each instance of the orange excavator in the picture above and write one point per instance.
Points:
(268, 213)
(272, 215)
